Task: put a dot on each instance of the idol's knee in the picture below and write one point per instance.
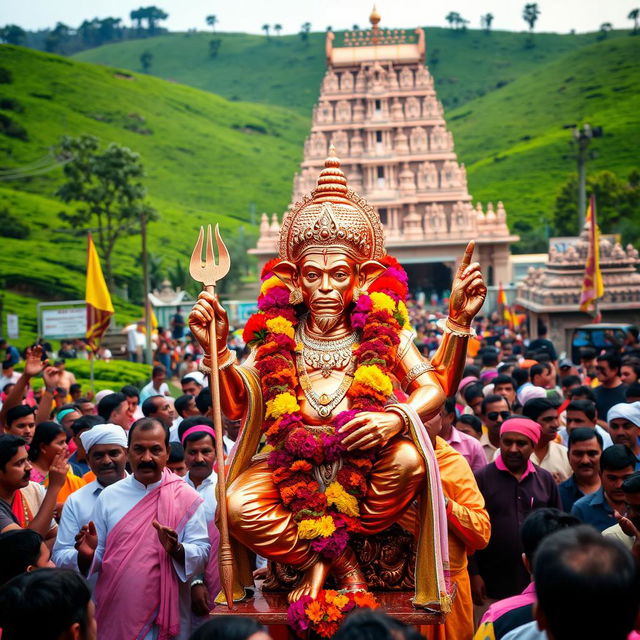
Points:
(236, 505)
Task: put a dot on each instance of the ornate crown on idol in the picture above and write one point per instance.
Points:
(332, 217)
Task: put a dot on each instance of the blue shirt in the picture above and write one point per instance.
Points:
(594, 509)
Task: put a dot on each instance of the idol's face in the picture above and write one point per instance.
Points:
(327, 282)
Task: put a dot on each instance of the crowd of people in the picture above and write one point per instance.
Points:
(539, 459)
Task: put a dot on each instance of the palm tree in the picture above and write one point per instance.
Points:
(265, 28)
(277, 28)
(212, 21)
(634, 14)
(530, 14)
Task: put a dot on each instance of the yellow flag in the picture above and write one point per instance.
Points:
(97, 298)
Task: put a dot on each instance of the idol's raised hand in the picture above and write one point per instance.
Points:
(468, 290)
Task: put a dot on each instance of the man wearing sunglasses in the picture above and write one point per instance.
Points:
(495, 410)
(611, 389)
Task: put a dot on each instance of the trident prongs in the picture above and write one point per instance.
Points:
(208, 272)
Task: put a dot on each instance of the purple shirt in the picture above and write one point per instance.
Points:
(509, 501)
(469, 447)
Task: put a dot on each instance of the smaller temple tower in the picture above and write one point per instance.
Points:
(378, 107)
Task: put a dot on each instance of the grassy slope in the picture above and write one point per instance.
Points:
(512, 139)
(286, 72)
(207, 160)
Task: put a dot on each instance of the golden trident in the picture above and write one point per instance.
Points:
(209, 272)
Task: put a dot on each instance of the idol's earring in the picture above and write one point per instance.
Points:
(357, 292)
(295, 297)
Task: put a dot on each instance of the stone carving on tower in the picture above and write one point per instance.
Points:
(378, 106)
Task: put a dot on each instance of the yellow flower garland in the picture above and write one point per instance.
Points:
(309, 529)
(372, 376)
(281, 325)
(343, 501)
(281, 404)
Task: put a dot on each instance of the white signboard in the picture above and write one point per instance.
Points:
(12, 326)
(64, 323)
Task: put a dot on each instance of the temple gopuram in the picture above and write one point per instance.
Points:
(378, 107)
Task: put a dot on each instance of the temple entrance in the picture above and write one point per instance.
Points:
(429, 282)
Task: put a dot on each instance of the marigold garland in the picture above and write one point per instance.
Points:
(325, 518)
(325, 614)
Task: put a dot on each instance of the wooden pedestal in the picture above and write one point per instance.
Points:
(270, 608)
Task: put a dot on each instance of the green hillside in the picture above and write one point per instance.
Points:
(207, 160)
(283, 70)
(512, 140)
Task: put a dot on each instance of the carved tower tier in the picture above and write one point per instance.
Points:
(379, 108)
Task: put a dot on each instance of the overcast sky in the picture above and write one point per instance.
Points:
(249, 15)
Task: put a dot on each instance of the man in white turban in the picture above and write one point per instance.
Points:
(624, 426)
(106, 447)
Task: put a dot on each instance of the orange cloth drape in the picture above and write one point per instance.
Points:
(469, 530)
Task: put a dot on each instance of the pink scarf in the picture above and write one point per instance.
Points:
(211, 572)
(138, 586)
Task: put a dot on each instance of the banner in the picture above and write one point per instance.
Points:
(97, 298)
(592, 287)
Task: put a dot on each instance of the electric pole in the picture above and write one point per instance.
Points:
(582, 137)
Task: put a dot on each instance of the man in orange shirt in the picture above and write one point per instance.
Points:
(469, 530)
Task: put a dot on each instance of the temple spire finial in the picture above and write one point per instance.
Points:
(375, 17)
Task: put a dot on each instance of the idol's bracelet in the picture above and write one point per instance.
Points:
(447, 325)
(225, 359)
(196, 582)
(399, 411)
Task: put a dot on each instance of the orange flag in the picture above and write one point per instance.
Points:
(97, 298)
(592, 287)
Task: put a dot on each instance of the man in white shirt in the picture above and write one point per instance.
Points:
(147, 539)
(157, 386)
(9, 376)
(106, 447)
(197, 436)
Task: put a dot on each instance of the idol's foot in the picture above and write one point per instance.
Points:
(312, 581)
(347, 572)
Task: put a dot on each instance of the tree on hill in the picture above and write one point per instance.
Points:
(634, 15)
(355, 27)
(13, 34)
(452, 18)
(212, 21)
(265, 28)
(107, 185)
(530, 14)
(59, 37)
(214, 47)
(277, 28)
(485, 22)
(617, 205)
(456, 21)
(605, 27)
(138, 16)
(146, 58)
(304, 32)
(153, 16)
